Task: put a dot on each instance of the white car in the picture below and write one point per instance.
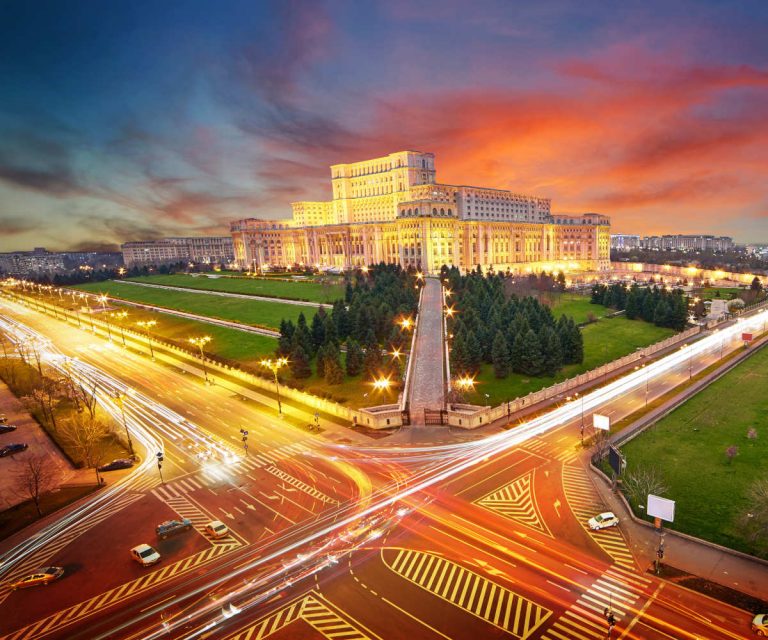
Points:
(760, 624)
(145, 555)
(603, 521)
(217, 529)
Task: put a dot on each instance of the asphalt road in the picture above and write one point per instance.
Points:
(496, 548)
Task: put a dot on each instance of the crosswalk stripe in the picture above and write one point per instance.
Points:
(472, 592)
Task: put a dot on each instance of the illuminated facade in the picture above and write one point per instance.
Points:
(390, 209)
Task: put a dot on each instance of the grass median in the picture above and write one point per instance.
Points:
(253, 312)
(688, 448)
(311, 291)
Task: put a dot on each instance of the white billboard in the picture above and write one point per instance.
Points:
(601, 422)
(661, 508)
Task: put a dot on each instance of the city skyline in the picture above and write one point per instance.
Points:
(136, 123)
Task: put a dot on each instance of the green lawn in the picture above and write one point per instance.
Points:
(604, 341)
(726, 293)
(578, 307)
(253, 312)
(688, 447)
(270, 287)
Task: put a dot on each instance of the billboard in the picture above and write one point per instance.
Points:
(601, 422)
(747, 337)
(616, 460)
(661, 508)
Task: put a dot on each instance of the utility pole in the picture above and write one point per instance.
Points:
(119, 398)
(245, 440)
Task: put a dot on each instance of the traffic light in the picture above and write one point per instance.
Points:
(245, 434)
(160, 459)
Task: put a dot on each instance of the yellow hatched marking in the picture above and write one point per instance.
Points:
(315, 611)
(516, 501)
(472, 592)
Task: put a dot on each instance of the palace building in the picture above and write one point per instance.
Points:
(391, 209)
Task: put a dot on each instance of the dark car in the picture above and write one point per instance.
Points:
(170, 527)
(120, 463)
(7, 428)
(10, 449)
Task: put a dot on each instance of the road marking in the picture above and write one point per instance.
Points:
(516, 501)
(301, 486)
(479, 596)
(316, 611)
(585, 619)
(40, 557)
(580, 495)
(65, 617)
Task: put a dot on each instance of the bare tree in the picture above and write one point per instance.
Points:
(601, 442)
(641, 481)
(85, 436)
(34, 477)
(756, 519)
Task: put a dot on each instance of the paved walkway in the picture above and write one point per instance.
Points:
(427, 383)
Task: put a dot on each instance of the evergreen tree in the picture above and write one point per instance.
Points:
(285, 342)
(318, 329)
(329, 330)
(474, 353)
(302, 338)
(354, 358)
(372, 362)
(334, 374)
(577, 344)
(516, 352)
(348, 292)
(501, 358)
(632, 310)
(340, 317)
(299, 363)
(320, 359)
(531, 358)
(552, 351)
(458, 355)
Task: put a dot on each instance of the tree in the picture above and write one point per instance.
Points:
(35, 477)
(755, 521)
(299, 362)
(372, 362)
(85, 435)
(334, 374)
(531, 358)
(756, 285)
(354, 358)
(474, 353)
(641, 481)
(318, 329)
(552, 351)
(500, 355)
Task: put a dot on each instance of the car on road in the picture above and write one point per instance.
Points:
(603, 521)
(172, 527)
(3, 418)
(7, 428)
(10, 449)
(217, 529)
(145, 555)
(120, 463)
(44, 576)
(760, 624)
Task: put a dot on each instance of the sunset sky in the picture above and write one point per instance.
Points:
(134, 120)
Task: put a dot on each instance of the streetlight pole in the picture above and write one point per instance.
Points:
(119, 398)
(201, 342)
(274, 365)
(244, 433)
(121, 315)
(147, 324)
(90, 314)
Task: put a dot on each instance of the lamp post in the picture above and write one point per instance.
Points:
(119, 398)
(244, 433)
(147, 325)
(274, 366)
(121, 315)
(581, 430)
(201, 342)
(84, 297)
(103, 299)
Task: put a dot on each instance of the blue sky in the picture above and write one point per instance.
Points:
(122, 121)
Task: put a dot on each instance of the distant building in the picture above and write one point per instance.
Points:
(391, 209)
(205, 249)
(688, 243)
(624, 242)
(41, 262)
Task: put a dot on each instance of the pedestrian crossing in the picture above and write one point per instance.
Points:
(516, 501)
(65, 617)
(544, 449)
(616, 590)
(42, 556)
(178, 488)
(301, 486)
(315, 611)
(580, 494)
(468, 590)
